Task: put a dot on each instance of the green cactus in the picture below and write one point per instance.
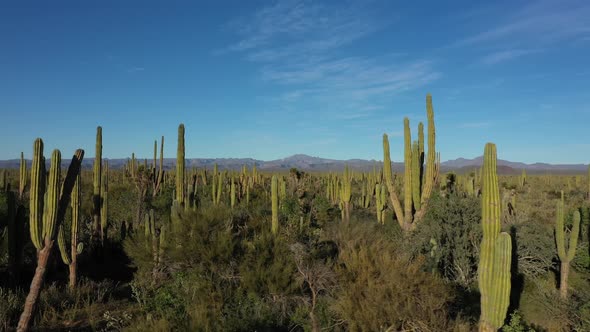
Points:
(220, 179)
(104, 202)
(22, 183)
(416, 176)
(232, 193)
(522, 180)
(48, 204)
(566, 248)
(97, 185)
(381, 202)
(274, 204)
(495, 250)
(158, 177)
(417, 187)
(588, 183)
(180, 191)
(69, 255)
(345, 194)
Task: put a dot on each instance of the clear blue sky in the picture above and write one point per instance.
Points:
(268, 79)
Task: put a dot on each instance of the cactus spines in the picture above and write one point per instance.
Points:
(415, 203)
(22, 183)
(495, 251)
(566, 248)
(52, 216)
(180, 166)
(274, 190)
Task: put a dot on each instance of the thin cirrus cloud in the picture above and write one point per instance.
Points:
(298, 45)
(506, 55)
(538, 23)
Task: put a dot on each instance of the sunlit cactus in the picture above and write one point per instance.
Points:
(417, 186)
(566, 247)
(48, 204)
(180, 167)
(495, 250)
(274, 204)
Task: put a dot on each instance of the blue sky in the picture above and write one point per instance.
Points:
(268, 79)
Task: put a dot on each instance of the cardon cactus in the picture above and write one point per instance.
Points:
(418, 185)
(495, 250)
(274, 193)
(180, 191)
(69, 255)
(22, 183)
(566, 248)
(97, 185)
(345, 194)
(48, 204)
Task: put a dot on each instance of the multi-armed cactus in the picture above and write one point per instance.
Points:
(418, 185)
(589, 183)
(566, 248)
(180, 167)
(345, 194)
(70, 255)
(48, 204)
(495, 250)
(274, 194)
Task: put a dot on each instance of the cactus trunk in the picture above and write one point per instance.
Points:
(495, 251)
(53, 215)
(274, 204)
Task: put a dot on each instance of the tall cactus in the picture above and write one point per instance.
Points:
(589, 183)
(180, 166)
(97, 185)
(495, 250)
(566, 248)
(70, 255)
(46, 217)
(158, 176)
(104, 191)
(232, 193)
(381, 202)
(22, 183)
(274, 192)
(345, 194)
(417, 187)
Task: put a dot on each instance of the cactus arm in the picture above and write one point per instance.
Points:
(571, 251)
(408, 212)
(395, 203)
(36, 201)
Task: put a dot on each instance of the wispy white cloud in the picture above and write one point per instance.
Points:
(501, 56)
(538, 23)
(299, 44)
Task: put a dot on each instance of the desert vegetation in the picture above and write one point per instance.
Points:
(144, 248)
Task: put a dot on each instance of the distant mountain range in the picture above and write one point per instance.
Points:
(309, 163)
